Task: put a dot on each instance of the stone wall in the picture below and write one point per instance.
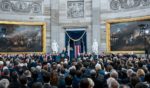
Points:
(120, 9)
(62, 14)
(27, 11)
(74, 14)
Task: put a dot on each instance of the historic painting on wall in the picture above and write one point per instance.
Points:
(22, 37)
(126, 35)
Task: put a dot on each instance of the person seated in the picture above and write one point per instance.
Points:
(86, 83)
(23, 82)
(37, 85)
(112, 83)
(4, 83)
(46, 79)
(68, 81)
(141, 85)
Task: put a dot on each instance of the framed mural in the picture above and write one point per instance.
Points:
(126, 36)
(22, 37)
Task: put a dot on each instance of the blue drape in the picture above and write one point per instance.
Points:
(76, 35)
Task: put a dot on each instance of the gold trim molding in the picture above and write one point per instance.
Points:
(108, 25)
(43, 24)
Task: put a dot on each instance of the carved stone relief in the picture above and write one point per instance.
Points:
(36, 7)
(114, 5)
(146, 2)
(127, 4)
(5, 5)
(20, 6)
(75, 9)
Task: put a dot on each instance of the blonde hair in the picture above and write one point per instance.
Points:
(140, 72)
(91, 82)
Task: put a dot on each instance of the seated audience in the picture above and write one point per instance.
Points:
(106, 71)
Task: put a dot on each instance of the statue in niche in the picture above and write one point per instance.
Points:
(95, 47)
(55, 47)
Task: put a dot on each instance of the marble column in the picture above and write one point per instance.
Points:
(55, 21)
(96, 21)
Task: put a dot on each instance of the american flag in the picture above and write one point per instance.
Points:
(77, 48)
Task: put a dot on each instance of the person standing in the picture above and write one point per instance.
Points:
(63, 54)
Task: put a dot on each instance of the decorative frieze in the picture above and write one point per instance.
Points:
(75, 9)
(127, 4)
(19, 6)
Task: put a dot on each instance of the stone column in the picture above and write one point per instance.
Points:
(96, 21)
(55, 21)
(46, 13)
(62, 19)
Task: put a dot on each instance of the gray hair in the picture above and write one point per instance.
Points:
(112, 83)
(38, 68)
(114, 74)
(4, 83)
(129, 72)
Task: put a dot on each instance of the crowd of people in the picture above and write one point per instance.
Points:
(105, 71)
